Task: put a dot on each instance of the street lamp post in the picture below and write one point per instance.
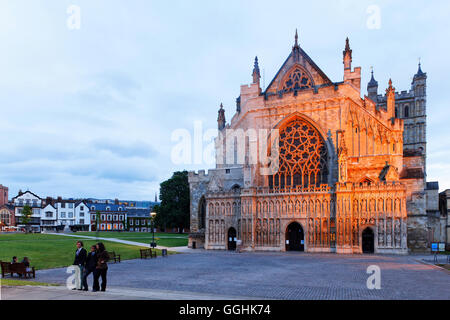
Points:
(152, 216)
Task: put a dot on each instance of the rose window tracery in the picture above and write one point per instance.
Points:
(302, 157)
(297, 80)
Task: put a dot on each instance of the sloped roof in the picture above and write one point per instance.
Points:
(290, 62)
(103, 206)
(138, 212)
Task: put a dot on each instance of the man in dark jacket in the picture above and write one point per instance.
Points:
(79, 262)
(91, 264)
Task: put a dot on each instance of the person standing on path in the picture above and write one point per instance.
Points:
(102, 267)
(90, 266)
(79, 262)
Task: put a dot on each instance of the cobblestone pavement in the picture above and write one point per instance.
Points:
(276, 276)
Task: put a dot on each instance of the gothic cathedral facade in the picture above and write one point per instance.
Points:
(337, 172)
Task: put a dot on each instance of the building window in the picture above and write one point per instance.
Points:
(303, 156)
(82, 208)
(109, 217)
(103, 217)
(81, 214)
(5, 218)
(63, 214)
(297, 80)
(131, 222)
(137, 222)
(121, 217)
(49, 214)
(70, 215)
(81, 221)
(406, 112)
(108, 209)
(63, 205)
(115, 217)
(93, 208)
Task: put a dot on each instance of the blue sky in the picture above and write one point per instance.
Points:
(90, 112)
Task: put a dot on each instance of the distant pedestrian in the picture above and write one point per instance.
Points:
(79, 262)
(90, 266)
(14, 259)
(102, 267)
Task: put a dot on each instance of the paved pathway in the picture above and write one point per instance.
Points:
(289, 275)
(62, 293)
(132, 243)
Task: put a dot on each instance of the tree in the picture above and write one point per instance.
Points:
(175, 200)
(27, 212)
(127, 225)
(98, 221)
(160, 221)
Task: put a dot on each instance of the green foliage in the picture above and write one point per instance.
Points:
(175, 197)
(127, 224)
(27, 212)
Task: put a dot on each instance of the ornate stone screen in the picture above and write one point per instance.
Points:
(302, 157)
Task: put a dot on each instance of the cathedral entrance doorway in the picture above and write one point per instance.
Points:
(232, 239)
(295, 237)
(368, 241)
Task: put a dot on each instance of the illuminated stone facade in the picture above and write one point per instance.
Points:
(342, 184)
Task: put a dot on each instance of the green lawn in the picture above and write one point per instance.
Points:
(162, 239)
(13, 283)
(51, 251)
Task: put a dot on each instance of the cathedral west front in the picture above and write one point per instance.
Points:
(309, 165)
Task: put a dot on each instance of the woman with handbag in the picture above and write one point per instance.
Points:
(101, 268)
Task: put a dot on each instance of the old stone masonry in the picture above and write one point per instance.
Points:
(309, 165)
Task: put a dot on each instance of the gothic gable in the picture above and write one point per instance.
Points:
(299, 72)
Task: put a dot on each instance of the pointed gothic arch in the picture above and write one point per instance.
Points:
(296, 79)
(202, 213)
(303, 154)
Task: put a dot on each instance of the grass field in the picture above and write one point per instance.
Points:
(51, 251)
(14, 283)
(162, 239)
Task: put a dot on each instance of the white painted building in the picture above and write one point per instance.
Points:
(28, 198)
(49, 218)
(82, 218)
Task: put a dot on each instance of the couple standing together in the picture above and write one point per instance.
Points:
(93, 262)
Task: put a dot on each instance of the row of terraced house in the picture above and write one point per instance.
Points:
(58, 214)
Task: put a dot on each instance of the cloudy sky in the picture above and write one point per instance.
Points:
(89, 112)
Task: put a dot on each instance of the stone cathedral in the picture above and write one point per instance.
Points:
(350, 172)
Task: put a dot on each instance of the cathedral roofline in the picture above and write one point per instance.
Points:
(298, 50)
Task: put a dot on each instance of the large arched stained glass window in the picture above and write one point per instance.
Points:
(302, 157)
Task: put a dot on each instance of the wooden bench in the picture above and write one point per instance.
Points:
(145, 253)
(114, 256)
(18, 268)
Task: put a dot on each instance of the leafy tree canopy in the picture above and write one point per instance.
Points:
(175, 199)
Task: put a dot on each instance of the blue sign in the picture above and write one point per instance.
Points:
(434, 247)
